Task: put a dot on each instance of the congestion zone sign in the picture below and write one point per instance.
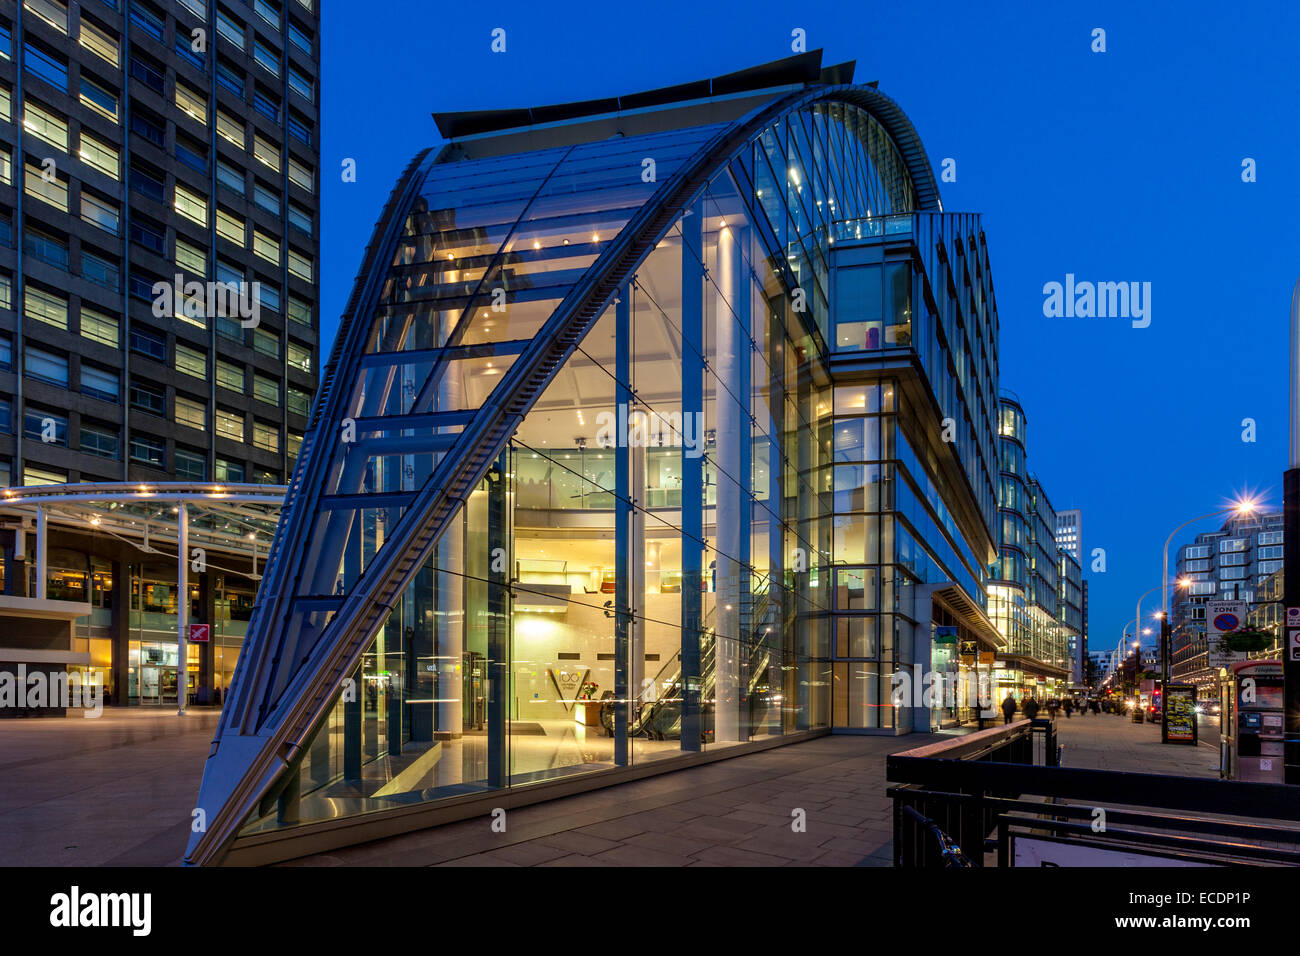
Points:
(1226, 622)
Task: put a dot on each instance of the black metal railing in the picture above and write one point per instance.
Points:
(987, 791)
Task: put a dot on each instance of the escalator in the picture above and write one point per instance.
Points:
(659, 717)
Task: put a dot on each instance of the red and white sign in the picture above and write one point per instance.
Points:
(198, 633)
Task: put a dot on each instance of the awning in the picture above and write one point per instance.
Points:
(971, 614)
(1032, 665)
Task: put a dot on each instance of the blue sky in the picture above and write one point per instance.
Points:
(1116, 166)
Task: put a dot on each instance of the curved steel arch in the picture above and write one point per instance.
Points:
(255, 745)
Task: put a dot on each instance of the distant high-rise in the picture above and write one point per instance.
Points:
(1069, 532)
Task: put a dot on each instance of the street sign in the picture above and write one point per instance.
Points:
(198, 633)
(1293, 617)
(1293, 645)
(1223, 616)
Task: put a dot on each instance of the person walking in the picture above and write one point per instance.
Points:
(1008, 708)
(1069, 708)
(1052, 706)
(1030, 707)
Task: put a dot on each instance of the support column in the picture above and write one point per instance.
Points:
(692, 227)
(42, 567)
(207, 614)
(450, 634)
(731, 511)
(424, 673)
(352, 718)
(625, 708)
(498, 662)
(120, 626)
(182, 605)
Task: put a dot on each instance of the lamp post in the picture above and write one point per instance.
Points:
(1241, 508)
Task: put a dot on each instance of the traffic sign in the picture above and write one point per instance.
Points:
(1293, 617)
(1223, 616)
(198, 633)
(1293, 645)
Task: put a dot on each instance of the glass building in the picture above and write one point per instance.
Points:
(658, 429)
(1035, 587)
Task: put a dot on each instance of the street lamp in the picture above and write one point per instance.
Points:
(1240, 508)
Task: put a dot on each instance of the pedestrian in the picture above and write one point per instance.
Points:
(1008, 708)
(1052, 706)
(1096, 707)
(1030, 707)
(1069, 708)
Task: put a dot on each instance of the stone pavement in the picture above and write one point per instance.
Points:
(1110, 742)
(114, 790)
(736, 812)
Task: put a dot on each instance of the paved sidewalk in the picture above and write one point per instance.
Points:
(1110, 742)
(114, 790)
(736, 812)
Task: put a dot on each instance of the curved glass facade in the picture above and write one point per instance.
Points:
(643, 569)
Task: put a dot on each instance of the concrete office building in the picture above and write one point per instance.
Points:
(158, 302)
(675, 437)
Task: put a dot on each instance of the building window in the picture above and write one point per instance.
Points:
(300, 219)
(148, 397)
(191, 257)
(191, 412)
(302, 85)
(266, 152)
(230, 471)
(100, 42)
(191, 205)
(45, 123)
(299, 311)
(266, 246)
(50, 68)
(230, 425)
(101, 383)
(266, 199)
(230, 227)
(45, 247)
(231, 130)
(45, 366)
(300, 175)
(299, 130)
(147, 20)
(98, 98)
(34, 477)
(190, 465)
(266, 342)
(231, 178)
(147, 183)
(267, 105)
(300, 265)
(230, 79)
(191, 361)
(148, 127)
(149, 74)
(99, 155)
(230, 29)
(101, 441)
(299, 39)
(230, 376)
(99, 327)
(266, 59)
(192, 153)
(147, 342)
(48, 428)
(47, 307)
(192, 103)
(100, 270)
(150, 451)
(299, 357)
(184, 47)
(53, 12)
(299, 402)
(266, 436)
(148, 234)
(267, 13)
(266, 389)
(50, 188)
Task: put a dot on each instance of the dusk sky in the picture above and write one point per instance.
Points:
(1116, 166)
